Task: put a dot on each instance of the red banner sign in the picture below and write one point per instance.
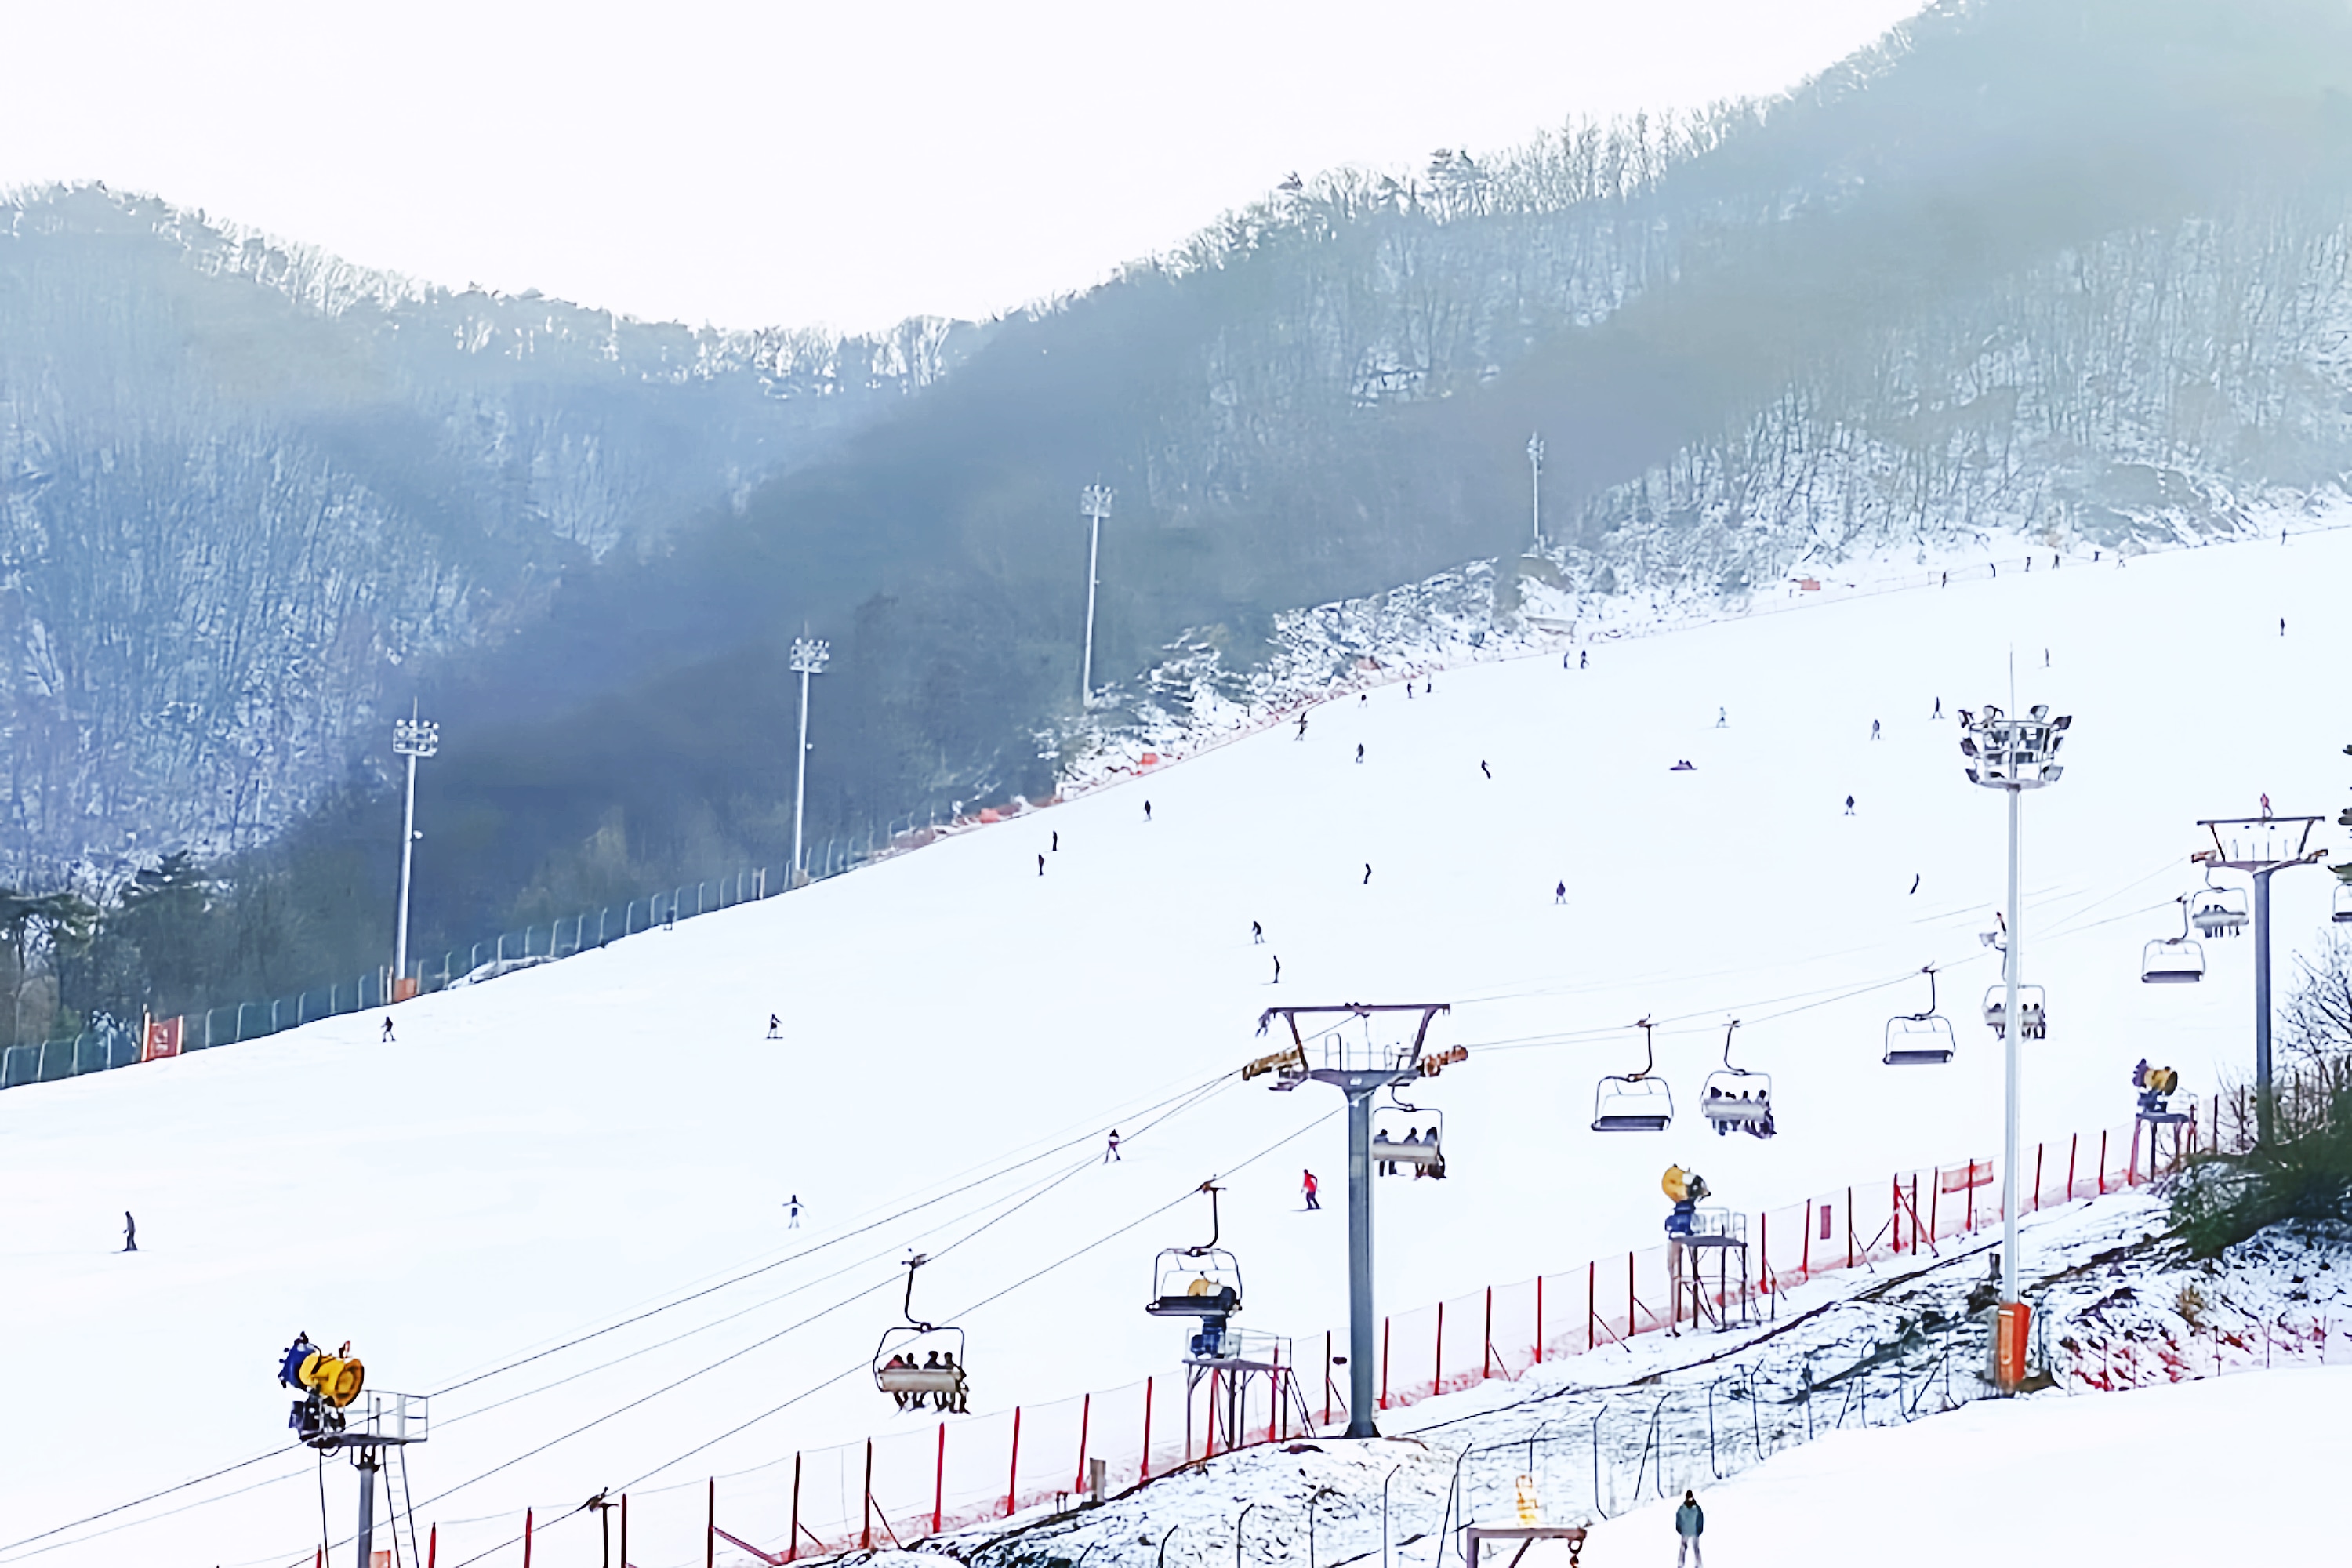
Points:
(163, 1039)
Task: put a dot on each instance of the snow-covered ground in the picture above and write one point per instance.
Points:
(550, 1153)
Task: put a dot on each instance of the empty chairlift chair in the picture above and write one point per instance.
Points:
(1737, 1097)
(1635, 1101)
(2033, 1021)
(2173, 960)
(1919, 1039)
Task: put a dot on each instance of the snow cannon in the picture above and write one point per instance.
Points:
(1682, 1187)
(334, 1380)
(2156, 1087)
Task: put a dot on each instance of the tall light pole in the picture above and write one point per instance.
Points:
(2013, 755)
(2259, 845)
(809, 656)
(411, 737)
(1534, 488)
(1093, 501)
(1358, 1072)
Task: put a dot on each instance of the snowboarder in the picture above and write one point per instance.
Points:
(775, 1024)
(1947, 582)
(1690, 1522)
(2266, 805)
(1311, 1187)
(1302, 729)
(2045, 658)
(2281, 626)
(1939, 708)
(1722, 719)
(1057, 841)
(1915, 884)
(1368, 873)
(1359, 751)
(1408, 692)
(130, 1232)
(1849, 805)
(1873, 729)
(1041, 865)
(385, 1038)
(1258, 933)
(1560, 893)
(1362, 698)
(1484, 769)
(1563, 661)
(1110, 1150)
(1147, 811)
(792, 1211)
(1277, 967)
(1583, 657)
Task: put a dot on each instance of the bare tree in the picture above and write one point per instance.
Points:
(2316, 1022)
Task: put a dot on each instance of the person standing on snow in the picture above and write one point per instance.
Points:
(1110, 1150)
(1873, 729)
(1583, 657)
(1368, 873)
(1302, 729)
(1147, 811)
(1939, 708)
(130, 1232)
(1311, 1187)
(385, 1038)
(1277, 967)
(1484, 769)
(792, 1211)
(1690, 1523)
(775, 1024)
(1359, 751)
(1560, 894)
(1849, 805)
(1041, 865)
(1258, 933)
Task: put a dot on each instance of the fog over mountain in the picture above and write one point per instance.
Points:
(2071, 270)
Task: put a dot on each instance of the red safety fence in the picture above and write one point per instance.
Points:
(924, 1475)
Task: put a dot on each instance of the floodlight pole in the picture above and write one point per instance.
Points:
(1358, 1084)
(1095, 502)
(1534, 488)
(2261, 867)
(411, 737)
(2012, 755)
(809, 657)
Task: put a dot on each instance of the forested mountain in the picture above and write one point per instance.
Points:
(2062, 268)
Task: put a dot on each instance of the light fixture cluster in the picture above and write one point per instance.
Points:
(2006, 753)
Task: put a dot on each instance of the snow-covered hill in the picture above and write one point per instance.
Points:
(553, 1153)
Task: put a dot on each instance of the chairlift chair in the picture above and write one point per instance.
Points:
(2218, 911)
(2343, 912)
(1919, 1039)
(2032, 1020)
(1204, 1281)
(1398, 1139)
(1737, 1097)
(1635, 1101)
(898, 1368)
(2173, 960)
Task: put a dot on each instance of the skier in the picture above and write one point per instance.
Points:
(792, 1211)
(1302, 729)
(1939, 708)
(1560, 893)
(130, 1232)
(2281, 626)
(1359, 751)
(385, 1038)
(1563, 661)
(1258, 933)
(2266, 805)
(1947, 582)
(775, 1024)
(2045, 658)
(1057, 841)
(1368, 873)
(1110, 1150)
(1722, 720)
(1041, 865)
(1277, 967)
(1147, 811)
(1362, 698)
(1408, 692)
(1583, 657)
(1915, 884)
(1311, 1187)
(1849, 805)
(1484, 769)
(1690, 1522)
(1873, 729)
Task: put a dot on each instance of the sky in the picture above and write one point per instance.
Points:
(839, 164)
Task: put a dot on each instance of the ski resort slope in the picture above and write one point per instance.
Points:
(2237, 1470)
(548, 1155)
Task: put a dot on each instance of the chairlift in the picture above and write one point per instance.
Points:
(2173, 960)
(1737, 1097)
(2218, 911)
(917, 1361)
(1398, 1138)
(1919, 1039)
(1635, 1101)
(2342, 902)
(2033, 1021)
(1204, 1281)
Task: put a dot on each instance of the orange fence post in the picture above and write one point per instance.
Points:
(526, 1538)
(2103, 1163)
(1012, 1472)
(1540, 1320)
(1894, 1202)
(2074, 1147)
(1327, 1377)
(866, 1535)
(1487, 1364)
(1591, 1304)
(2131, 1162)
(1383, 1403)
(1437, 1367)
(1631, 1327)
(1145, 1469)
(1805, 1262)
(1849, 1227)
(792, 1544)
(939, 1485)
(432, 1548)
(1085, 1415)
(624, 1532)
(2037, 1178)
(710, 1529)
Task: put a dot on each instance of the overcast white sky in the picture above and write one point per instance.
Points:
(849, 164)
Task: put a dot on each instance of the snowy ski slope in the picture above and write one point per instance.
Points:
(547, 1154)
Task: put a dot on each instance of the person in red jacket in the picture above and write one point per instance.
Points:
(1311, 1187)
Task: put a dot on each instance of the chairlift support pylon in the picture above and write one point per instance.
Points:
(1919, 1039)
(902, 1342)
(1737, 1097)
(2173, 960)
(1635, 1101)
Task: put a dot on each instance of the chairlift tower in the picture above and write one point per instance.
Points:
(411, 737)
(1358, 1072)
(809, 657)
(1094, 503)
(2012, 755)
(2259, 847)
(337, 1415)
